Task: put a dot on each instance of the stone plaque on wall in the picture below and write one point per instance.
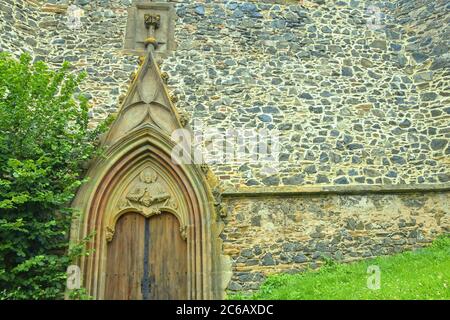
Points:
(162, 15)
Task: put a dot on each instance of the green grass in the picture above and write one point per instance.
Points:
(419, 274)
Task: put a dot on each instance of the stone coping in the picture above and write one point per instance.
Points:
(328, 189)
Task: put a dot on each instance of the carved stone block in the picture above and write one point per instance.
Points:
(150, 20)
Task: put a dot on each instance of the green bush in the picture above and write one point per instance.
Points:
(44, 142)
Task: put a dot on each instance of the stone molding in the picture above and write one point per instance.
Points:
(350, 189)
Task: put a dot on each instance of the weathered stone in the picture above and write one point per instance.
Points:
(271, 181)
(428, 96)
(419, 57)
(311, 169)
(341, 180)
(443, 177)
(294, 180)
(219, 116)
(438, 144)
(322, 179)
(379, 44)
(306, 95)
(200, 10)
(247, 253)
(234, 286)
(256, 221)
(268, 260)
(347, 71)
(366, 63)
(405, 123)
(300, 258)
(354, 146)
(265, 118)
(423, 76)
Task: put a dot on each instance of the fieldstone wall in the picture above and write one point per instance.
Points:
(94, 48)
(19, 26)
(427, 46)
(265, 235)
(356, 90)
(344, 85)
(332, 86)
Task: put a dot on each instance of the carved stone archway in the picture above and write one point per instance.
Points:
(136, 174)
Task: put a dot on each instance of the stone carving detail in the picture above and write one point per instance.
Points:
(173, 204)
(204, 167)
(173, 98)
(148, 195)
(165, 77)
(150, 18)
(147, 102)
(184, 119)
(183, 231)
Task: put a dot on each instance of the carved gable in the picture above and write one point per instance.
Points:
(146, 103)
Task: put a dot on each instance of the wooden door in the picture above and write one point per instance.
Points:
(167, 258)
(147, 259)
(125, 266)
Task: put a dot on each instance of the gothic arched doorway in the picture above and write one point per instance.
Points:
(142, 182)
(137, 175)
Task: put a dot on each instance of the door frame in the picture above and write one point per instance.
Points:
(110, 176)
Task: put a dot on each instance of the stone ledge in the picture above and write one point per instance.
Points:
(327, 189)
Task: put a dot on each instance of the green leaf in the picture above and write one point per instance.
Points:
(44, 141)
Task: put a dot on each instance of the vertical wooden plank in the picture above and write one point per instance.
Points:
(167, 258)
(125, 259)
(167, 253)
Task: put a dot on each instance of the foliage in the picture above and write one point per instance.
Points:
(44, 143)
(419, 274)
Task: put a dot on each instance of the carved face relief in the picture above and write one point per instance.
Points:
(148, 176)
(148, 195)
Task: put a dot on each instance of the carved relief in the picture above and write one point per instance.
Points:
(143, 16)
(148, 195)
(184, 119)
(183, 231)
(147, 102)
(205, 168)
(173, 204)
(109, 234)
(165, 77)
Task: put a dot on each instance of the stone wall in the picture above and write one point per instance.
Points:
(335, 89)
(349, 98)
(269, 234)
(356, 90)
(19, 26)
